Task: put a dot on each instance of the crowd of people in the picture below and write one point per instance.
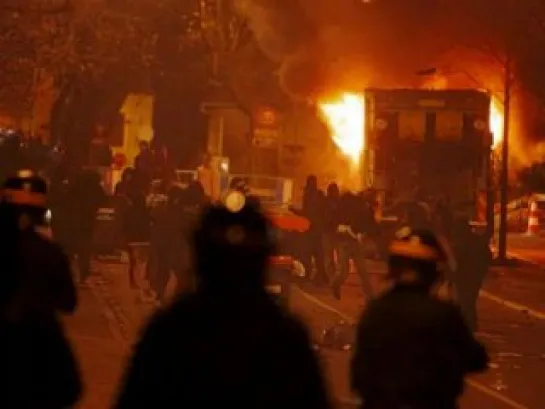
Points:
(19, 151)
(226, 341)
(346, 226)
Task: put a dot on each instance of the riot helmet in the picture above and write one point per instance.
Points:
(419, 257)
(24, 196)
(232, 243)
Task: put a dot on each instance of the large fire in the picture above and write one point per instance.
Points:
(345, 118)
(496, 122)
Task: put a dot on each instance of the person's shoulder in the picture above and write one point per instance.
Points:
(288, 324)
(446, 308)
(47, 245)
(171, 315)
(377, 304)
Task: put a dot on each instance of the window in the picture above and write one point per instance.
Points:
(412, 125)
(449, 125)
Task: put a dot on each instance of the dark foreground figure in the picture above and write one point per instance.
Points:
(412, 349)
(36, 359)
(228, 343)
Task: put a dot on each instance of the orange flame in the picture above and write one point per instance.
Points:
(496, 122)
(345, 118)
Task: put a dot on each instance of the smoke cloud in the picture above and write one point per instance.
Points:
(322, 46)
(281, 27)
(288, 36)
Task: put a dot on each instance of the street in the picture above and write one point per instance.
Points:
(530, 248)
(512, 325)
(98, 348)
(512, 337)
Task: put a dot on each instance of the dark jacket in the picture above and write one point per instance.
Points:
(314, 208)
(85, 197)
(332, 210)
(39, 365)
(133, 218)
(212, 350)
(36, 356)
(413, 350)
(357, 214)
(46, 278)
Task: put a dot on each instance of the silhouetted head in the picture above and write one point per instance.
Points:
(416, 257)
(232, 245)
(127, 175)
(144, 146)
(312, 182)
(195, 194)
(333, 190)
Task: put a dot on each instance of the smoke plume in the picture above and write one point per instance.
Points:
(322, 46)
(288, 36)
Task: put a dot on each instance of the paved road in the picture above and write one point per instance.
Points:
(526, 247)
(516, 339)
(98, 348)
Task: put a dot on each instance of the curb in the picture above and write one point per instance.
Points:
(524, 260)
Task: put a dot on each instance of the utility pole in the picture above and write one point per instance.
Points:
(504, 174)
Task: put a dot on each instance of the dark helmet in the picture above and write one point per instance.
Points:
(232, 241)
(240, 185)
(420, 251)
(25, 194)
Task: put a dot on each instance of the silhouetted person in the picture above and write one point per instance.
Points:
(133, 220)
(100, 151)
(228, 343)
(36, 285)
(86, 196)
(191, 202)
(314, 211)
(162, 166)
(473, 260)
(331, 237)
(166, 234)
(143, 166)
(356, 224)
(413, 350)
(127, 177)
(59, 204)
